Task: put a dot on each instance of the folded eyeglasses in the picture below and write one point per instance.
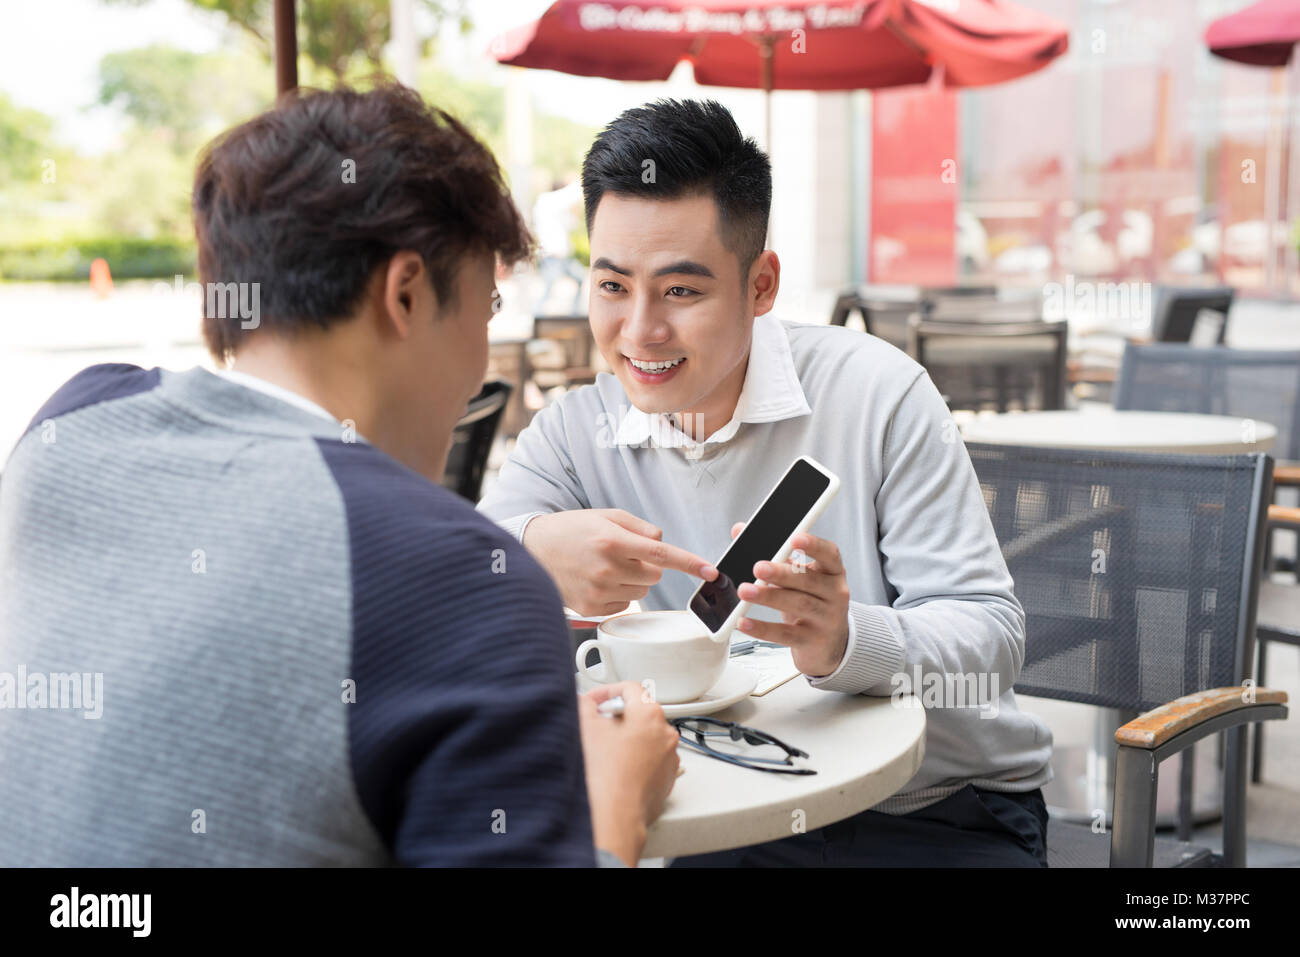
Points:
(695, 732)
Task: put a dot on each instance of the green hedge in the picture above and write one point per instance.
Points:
(71, 259)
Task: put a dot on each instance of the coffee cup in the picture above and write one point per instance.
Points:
(671, 653)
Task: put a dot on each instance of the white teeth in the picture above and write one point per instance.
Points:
(655, 366)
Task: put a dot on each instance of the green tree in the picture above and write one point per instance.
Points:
(188, 96)
(24, 143)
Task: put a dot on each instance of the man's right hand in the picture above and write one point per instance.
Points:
(604, 558)
(631, 763)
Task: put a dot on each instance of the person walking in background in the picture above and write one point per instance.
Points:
(555, 217)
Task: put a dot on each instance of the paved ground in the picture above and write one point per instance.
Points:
(50, 331)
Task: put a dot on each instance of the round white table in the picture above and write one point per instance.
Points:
(1124, 431)
(1084, 754)
(863, 749)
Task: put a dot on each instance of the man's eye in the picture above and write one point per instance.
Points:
(610, 286)
(681, 291)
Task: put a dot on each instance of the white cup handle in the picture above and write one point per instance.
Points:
(580, 659)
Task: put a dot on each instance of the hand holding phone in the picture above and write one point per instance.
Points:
(790, 509)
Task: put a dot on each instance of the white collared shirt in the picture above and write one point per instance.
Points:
(771, 393)
(273, 390)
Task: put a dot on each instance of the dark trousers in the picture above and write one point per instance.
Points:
(972, 828)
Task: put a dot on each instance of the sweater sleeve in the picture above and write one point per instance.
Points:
(538, 477)
(463, 730)
(955, 612)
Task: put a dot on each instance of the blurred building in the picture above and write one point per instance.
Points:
(1138, 156)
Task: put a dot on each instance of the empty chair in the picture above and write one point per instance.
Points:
(472, 440)
(1260, 385)
(572, 333)
(999, 365)
(1177, 310)
(1255, 386)
(980, 303)
(1138, 576)
(885, 318)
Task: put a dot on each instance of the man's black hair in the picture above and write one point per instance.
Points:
(674, 148)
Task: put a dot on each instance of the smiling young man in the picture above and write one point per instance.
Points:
(620, 488)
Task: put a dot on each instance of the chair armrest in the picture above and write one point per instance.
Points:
(1167, 730)
(1284, 516)
(1286, 473)
(1149, 731)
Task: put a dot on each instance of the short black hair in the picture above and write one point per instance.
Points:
(674, 148)
(309, 198)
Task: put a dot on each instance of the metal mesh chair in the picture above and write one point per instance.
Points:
(577, 348)
(885, 314)
(472, 440)
(1176, 311)
(885, 319)
(1000, 365)
(1252, 384)
(1138, 575)
(1258, 385)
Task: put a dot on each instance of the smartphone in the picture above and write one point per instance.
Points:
(790, 508)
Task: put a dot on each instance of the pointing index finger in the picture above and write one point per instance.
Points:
(662, 555)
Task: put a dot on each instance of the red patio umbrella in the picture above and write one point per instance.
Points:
(789, 44)
(1263, 34)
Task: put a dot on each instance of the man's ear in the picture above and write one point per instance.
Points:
(407, 291)
(764, 281)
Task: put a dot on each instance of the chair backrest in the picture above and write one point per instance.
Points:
(1138, 572)
(1176, 311)
(1260, 385)
(573, 332)
(884, 311)
(978, 365)
(472, 440)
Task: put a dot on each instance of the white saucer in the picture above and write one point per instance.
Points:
(734, 685)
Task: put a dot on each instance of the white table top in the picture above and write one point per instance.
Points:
(863, 750)
(1106, 428)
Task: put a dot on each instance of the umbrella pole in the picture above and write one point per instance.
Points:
(765, 51)
(1292, 257)
(286, 47)
(1273, 164)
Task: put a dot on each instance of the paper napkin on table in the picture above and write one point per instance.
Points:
(773, 666)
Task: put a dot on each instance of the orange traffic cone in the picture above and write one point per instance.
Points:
(101, 280)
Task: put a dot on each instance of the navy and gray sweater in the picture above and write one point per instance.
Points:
(310, 655)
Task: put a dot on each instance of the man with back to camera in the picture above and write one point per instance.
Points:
(307, 654)
(620, 488)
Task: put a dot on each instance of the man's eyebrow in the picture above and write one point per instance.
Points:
(603, 263)
(683, 267)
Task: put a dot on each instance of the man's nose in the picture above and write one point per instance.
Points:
(645, 323)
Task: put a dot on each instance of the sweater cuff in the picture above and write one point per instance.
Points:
(874, 654)
(517, 525)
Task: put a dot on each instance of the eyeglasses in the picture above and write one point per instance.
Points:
(705, 728)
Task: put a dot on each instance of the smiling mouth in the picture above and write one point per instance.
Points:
(654, 367)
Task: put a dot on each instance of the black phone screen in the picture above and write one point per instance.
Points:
(796, 493)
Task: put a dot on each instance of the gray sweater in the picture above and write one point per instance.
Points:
(931, 596)
(231, 636)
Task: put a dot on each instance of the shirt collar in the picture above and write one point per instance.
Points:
(271, 389)
(771, 392)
